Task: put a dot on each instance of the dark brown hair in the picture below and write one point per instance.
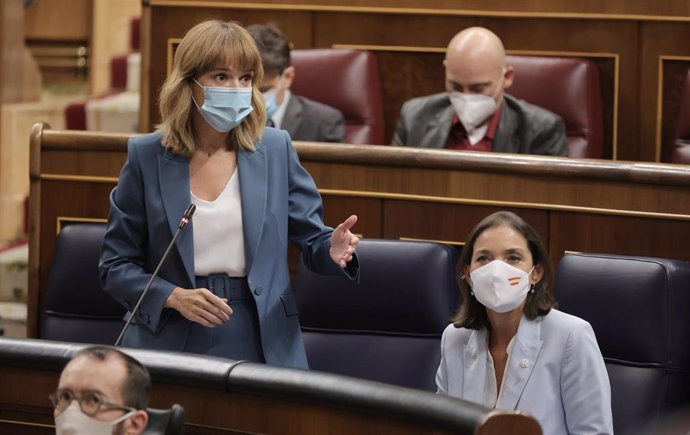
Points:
(136, 388)
(472, 314)
(273, 45)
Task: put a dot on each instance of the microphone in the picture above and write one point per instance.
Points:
(186, 217)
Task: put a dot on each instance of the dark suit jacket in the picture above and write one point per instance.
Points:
(280, 202)
(523, 127)
(310, 120)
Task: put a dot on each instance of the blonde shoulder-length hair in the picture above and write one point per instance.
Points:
(201, 50)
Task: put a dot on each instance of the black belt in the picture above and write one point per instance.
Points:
(222, 285)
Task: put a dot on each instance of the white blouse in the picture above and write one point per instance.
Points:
(218, 233)
(491, 394)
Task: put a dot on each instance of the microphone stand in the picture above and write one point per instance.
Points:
(186, 217)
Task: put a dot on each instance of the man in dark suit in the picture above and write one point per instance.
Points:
(302, 118)
(475, 113)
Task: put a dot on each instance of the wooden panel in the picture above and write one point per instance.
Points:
(58, 21)
(613, 7)
(582, 232)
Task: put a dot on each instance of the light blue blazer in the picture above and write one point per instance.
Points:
(280, 202)
(555, 372)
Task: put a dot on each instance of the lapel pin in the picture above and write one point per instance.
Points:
(524, 363)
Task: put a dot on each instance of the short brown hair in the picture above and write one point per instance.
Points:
(200, 50)
(472, 314)
(273, 45)
(136, 388)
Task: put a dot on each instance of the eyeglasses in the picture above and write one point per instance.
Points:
(90, 402)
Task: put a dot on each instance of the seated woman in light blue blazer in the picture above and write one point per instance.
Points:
(508, 348)
(224, 290)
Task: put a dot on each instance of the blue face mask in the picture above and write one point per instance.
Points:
(271, 103)
(225, 108)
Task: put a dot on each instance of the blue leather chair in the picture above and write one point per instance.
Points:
(388, 327)
(77, 308)
(639, 308)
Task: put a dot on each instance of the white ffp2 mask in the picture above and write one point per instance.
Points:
(500, 286)
(72, 421)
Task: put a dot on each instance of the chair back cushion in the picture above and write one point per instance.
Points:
(165, 421)
(347, 80)
(639, 308)
(77, 308)
(568, 87)
(681, 150)
(388, 327)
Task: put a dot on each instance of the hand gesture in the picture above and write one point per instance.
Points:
(343, 242)
(200, 305)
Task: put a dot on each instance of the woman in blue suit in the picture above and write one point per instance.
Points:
(508, 348)
(225, 288)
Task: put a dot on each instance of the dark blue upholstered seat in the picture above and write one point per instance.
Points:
(388, 327)
(639, 308)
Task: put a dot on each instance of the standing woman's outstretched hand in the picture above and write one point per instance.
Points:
(343, 242)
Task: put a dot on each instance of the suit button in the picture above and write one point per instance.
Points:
(258, 291)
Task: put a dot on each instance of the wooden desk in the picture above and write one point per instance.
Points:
(224, 397)
(576, 205)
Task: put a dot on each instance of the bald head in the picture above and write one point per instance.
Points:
(476, 60)
(477, 45)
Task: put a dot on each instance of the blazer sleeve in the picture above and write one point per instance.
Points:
(123, 261)
(332, 129)
(551, 140)
(442, 372)
(400, 135)
(305, 221)
(585, 385)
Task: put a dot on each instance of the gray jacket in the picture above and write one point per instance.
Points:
(523, 128)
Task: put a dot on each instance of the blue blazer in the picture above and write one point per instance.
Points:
(280, 202)
(555, 372)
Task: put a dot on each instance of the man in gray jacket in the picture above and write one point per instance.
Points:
(475, 113)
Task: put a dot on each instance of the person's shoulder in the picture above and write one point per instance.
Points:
(147, 144)
(454, 336)
(531, 112)
(317, 107)
(565, 323)
(272, 139)
(426, 102)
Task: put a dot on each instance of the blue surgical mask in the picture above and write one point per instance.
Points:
(271, 103)
(225, 108)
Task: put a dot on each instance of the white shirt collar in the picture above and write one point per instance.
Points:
(280, 112)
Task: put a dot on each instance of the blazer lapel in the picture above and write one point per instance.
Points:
(293, 116)
(506, 141)
(173, 178)
(253, 193)
(437, 129)
(523, 358)
(474, 367)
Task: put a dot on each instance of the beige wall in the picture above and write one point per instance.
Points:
(110, 37)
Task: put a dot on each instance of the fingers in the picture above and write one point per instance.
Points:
(349, 223)
(203, 307)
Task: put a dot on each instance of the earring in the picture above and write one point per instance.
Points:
(531, 290)
(471, 293)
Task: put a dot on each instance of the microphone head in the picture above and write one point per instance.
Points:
(190, 211)
(187, 216)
